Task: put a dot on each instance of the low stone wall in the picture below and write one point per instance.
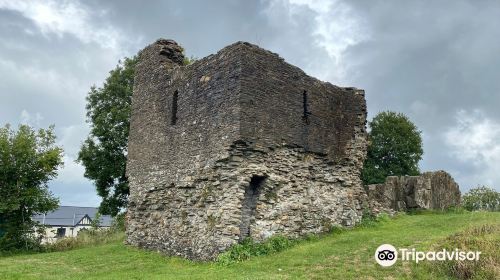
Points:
(431, 190)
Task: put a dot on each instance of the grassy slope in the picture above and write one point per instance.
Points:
(346, 255)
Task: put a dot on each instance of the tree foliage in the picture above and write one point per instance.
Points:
(104, 152)
(394, 148)
(481, 198)
(29, 159)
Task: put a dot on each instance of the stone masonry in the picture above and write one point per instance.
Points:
(431, 190)
(238, 144)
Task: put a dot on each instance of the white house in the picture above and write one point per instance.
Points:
(67, 221)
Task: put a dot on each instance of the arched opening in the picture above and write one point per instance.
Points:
(249, 204)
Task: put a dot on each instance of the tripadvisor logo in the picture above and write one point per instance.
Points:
(387, 255)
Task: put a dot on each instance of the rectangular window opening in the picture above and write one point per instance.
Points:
(61, 232)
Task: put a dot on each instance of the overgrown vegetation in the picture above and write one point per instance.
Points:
(86, 238)
(91, 237)
(189, 60)
(481, 198)
(484, 238)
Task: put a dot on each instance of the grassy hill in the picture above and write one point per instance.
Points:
(341, 255)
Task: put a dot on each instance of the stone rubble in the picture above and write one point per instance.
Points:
(431, 190)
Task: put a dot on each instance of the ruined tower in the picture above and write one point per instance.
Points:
(238, 144)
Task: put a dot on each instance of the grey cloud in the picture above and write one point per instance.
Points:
(431, 59)
(427, 59)
(441, 53)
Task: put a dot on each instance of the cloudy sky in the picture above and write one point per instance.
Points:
(436, 61)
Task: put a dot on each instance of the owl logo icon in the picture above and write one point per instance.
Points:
(386, 255)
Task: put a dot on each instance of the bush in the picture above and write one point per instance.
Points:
(481, 198)
(249, 248)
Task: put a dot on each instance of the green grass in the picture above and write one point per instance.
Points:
(340, 255)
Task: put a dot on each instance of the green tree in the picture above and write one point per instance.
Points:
(28, 161)
(394, 148)
(104, 152)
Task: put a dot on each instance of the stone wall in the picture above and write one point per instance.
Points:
(297, 193)
(431, 190)
(206, 117)
(239, 144)
(275, 96)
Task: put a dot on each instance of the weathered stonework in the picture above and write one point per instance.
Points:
(238, 144)
(431, 190)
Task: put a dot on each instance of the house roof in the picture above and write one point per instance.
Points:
(71, 216)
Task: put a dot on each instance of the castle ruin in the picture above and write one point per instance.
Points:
(430, 190)
(238, 144)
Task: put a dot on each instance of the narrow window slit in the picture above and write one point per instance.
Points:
(174, 108)
(306, 114)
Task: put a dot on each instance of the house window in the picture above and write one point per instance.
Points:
(174, 108)
(61, 232)
(306, 112)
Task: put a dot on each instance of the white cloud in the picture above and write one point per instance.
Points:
(70, 185)
(475, 140)
(71, 137)
(31, 119)
(46, 80)
(337, 27)
(46, 75)
(71, 172)
(66, 17)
